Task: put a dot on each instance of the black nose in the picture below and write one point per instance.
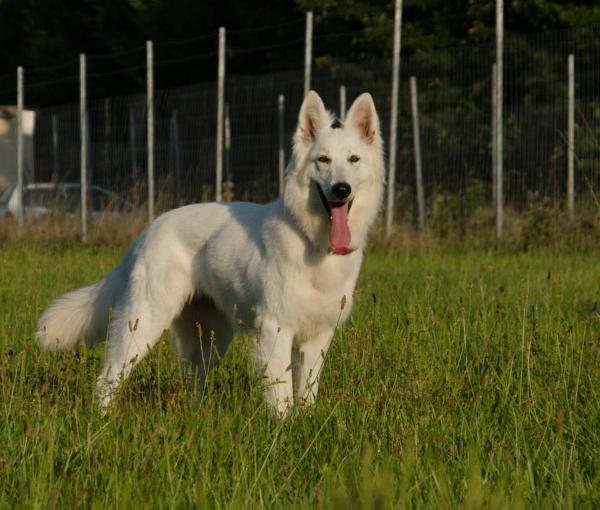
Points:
(341, 190)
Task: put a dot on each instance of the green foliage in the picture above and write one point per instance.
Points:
(453, 216)
(40, 32)
(434, 24)
(463, 379)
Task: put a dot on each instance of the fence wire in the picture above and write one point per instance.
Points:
(455, 115)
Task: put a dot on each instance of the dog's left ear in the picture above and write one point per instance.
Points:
(363, 117)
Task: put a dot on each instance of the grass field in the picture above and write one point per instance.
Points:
(462, 380)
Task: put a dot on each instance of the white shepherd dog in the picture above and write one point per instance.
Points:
(284, 268)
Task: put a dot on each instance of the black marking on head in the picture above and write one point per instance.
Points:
(337, 124)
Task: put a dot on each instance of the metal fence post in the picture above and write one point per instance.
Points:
(494, 140)
(150, 125)
(281, 141)
(220, 108)
(343, 103)
(417, 145)
(499, 120)
(393, 119)
(20, 104)
(83, 126)
(571, 140)
(308, 51)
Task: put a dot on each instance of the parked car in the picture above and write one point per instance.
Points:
(42, 198)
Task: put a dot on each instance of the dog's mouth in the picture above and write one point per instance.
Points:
(339, 232)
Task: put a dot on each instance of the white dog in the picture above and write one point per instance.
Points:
(287, 268)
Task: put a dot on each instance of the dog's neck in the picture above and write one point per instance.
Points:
(306, 215)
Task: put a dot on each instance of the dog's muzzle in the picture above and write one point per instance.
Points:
(337, 212)
(332, 204)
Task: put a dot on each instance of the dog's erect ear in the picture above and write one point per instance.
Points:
(313, 118)
(363, 116)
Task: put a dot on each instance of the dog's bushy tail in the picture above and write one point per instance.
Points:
(82, 313)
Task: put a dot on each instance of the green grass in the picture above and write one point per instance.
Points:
(462, 380)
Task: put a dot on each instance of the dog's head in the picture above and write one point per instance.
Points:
(335, 179)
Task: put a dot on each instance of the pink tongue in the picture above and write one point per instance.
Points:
(339, 235)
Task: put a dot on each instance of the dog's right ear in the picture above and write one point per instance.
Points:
(312, 119)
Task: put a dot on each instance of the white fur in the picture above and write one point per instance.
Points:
(203, 270)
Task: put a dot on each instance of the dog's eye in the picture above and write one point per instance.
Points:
(324, 159)
(354, 158)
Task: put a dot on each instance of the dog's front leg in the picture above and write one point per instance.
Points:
(273, 361)
(309, 364)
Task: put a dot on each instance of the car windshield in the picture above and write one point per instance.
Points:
(53, 199)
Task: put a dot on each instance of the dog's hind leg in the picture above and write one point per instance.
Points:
(144, 312)
(201, 334)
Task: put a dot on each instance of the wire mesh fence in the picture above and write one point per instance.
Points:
(455, 118)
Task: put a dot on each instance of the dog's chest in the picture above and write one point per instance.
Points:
(320, 296)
